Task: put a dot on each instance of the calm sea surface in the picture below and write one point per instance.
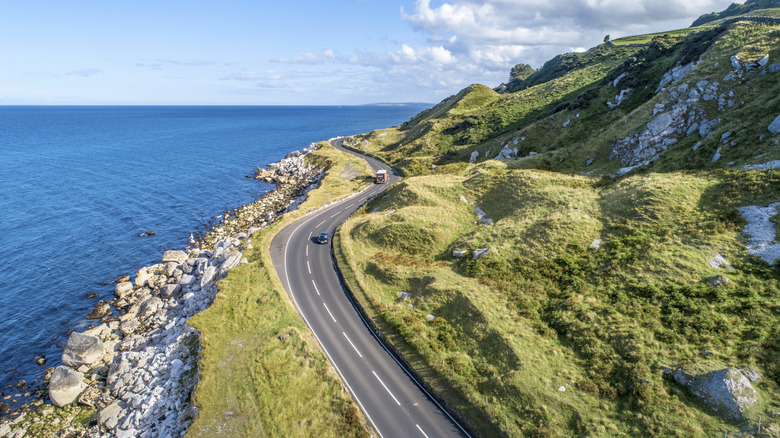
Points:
(78, 184)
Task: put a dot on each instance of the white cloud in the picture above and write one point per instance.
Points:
(475, 41)
(85, 73)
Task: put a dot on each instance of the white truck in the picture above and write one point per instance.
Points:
(381, 177)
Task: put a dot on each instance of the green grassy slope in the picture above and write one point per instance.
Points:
(543, 310)
(560, 112)
(549, 334)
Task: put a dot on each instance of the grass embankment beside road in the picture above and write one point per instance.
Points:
(261, 370)
(546, 336)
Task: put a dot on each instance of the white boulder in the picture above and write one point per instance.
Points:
(65, 386)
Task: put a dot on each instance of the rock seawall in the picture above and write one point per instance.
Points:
(138, 369)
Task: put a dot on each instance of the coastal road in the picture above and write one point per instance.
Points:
(392, 401)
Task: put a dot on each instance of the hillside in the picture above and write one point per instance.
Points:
(574, 253)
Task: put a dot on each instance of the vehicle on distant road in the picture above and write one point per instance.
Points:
(323, 237)
(381, 176)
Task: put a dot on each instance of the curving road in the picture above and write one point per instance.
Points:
(393, 402)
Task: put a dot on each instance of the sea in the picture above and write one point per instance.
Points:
(79, 184)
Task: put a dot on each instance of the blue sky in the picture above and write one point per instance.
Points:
(298, 52)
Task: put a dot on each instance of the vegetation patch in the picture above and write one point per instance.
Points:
(261, 371)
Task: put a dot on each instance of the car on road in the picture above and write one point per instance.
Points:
(323, 237)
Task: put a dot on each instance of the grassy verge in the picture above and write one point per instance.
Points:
(545, 336)
(261, 370)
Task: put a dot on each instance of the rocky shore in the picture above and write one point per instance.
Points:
(133, 374)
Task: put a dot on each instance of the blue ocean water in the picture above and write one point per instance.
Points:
(78, 185)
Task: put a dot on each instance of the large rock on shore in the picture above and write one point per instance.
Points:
(727, 391)
(82, 350)
(65, 386)
(176, 256)
(123, 289)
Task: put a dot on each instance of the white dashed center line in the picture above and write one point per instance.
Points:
(315, 287)
(331, 315)
(308, 266)
(353, 345)
(320, 224)
(388, 391)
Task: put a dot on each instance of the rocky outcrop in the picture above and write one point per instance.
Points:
(728, 391)
(760, 231)
(680, 113)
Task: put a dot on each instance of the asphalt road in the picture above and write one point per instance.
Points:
(393, 402)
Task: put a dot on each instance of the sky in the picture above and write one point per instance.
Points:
(298, 52)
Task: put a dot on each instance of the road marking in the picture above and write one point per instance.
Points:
(353, 345)
(336, 214)
(331, 315)
(421, 431)
(350, 205)
(307, 250)
(388, 391)
(320, 224)
(308, 266)
(310, 235)
(315, 287)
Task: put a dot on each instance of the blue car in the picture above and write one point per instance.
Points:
(323, 237)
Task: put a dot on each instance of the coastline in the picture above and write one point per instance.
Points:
(133, 374)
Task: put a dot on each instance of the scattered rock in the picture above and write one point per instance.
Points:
(175, 256)
(109, 416)
(430, 317)
(596, 244)
(123, 289)
(474, 156)
(717, 156)
(405, 296)
(727, 391)
(459, 254)
(774, 127)
(761, 231)
(147, 234)
(101, 310)
(284, 337)
(718, 261)
(170, 291)
(480, 252)
(82, 350)
(65, 386)
(774, 68)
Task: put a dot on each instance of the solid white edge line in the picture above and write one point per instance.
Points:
(330, 358)
(315, 286)
(353, 345)
(386, 389)
(421, 431)
(331, 315)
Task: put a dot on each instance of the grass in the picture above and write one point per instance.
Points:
(646, 38)
(252, 382)
(543, 311)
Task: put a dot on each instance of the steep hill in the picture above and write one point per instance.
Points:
(737, 9)
(579, 252)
